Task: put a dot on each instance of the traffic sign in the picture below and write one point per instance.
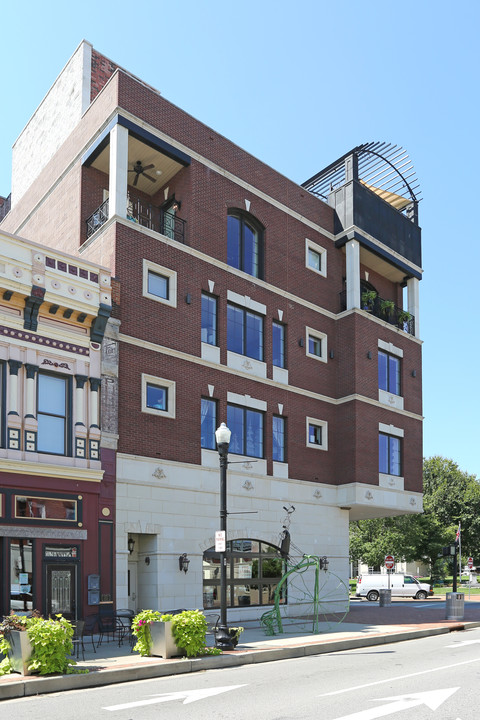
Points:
(220, 541)
(389, 562)
(470, 563)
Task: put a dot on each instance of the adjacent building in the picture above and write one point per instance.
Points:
(290, 312)
(57, 486)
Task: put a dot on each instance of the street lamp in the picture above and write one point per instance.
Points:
(222, 436)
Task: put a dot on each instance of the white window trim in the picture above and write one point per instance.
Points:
(390, 430)
(149, 266)
(390, 348)
(161, 382)
(246, 302)
(324, 425)
(246, 401)
(310, 332)
(310, 245)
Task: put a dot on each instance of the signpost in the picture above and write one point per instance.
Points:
(389, 564)
(470, 563)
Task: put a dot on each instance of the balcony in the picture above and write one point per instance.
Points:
(146, 215)
(385, 310)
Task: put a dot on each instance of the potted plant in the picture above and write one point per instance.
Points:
(404, 317)
(368, 298)
(36, 645)
(387, 307)
(168, 635)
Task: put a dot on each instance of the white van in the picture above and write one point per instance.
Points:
(401, 586)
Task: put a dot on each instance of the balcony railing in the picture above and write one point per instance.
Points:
(385, 310)
(97, 218)
(144, 214)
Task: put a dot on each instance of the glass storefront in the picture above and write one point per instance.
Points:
(254, 569)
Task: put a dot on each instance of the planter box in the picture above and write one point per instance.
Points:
(20, 651)
(163, 644)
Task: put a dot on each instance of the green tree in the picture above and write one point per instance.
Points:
(450, 496)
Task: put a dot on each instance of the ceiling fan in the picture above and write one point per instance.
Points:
(139, 169)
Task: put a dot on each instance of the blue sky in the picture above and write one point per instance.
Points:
(298, 84)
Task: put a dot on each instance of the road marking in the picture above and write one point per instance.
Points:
(432, 699)
(462, 643)
(187, 696)
(399, 677)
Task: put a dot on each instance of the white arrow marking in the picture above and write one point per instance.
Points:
(187, 696)
(432, 699)
(463, 642)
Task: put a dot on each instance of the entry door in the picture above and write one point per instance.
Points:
(132, 586)
(61, 590)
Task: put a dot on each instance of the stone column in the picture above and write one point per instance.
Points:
(30, 390)
(94, 389)
(413, 288)
(117, 189)
(353, 274)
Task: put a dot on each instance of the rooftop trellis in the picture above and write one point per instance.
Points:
(384, 168)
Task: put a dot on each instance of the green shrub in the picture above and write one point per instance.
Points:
(189, 631)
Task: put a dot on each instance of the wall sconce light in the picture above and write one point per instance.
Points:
(131, 545)
(414, 373)
(369, 355)
(177, 204)
(147, 560)
(183, 563)
(300, 342)
(188, 298)
(332, 354)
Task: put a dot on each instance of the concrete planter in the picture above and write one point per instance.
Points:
(163, 643)
(20, 651)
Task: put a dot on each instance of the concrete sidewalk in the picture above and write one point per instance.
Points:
(366, 624)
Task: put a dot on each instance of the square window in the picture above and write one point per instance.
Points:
(159, 283)
(317, 434)
(316, 344)
(158, 396)
(315, 257)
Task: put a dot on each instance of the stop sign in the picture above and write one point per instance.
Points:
(470, 563)
(389, 562)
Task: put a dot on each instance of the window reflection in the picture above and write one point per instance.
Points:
(254, 570)
(21, 600)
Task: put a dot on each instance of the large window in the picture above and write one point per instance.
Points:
(208, 423)
(389, 373)
(244, 332)
(278, 438)
(254, 570)
(247, 431)
(21, 576)
(245, 244)
(209, 319)
(53, 399)
(278, 344)
(389, 454)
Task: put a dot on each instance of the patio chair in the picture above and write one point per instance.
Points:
(77, 639)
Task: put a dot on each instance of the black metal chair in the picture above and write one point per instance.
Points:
(91, 624)
(124, 626)
(77, 639)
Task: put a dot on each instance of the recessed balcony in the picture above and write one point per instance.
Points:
(385, 310)
(145, 214)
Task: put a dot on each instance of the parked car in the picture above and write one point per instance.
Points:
(369, 586)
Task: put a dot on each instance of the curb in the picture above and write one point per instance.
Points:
(40, 685)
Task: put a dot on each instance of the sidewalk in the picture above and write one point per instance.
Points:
(366, 624)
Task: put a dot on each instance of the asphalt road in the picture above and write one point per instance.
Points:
(435, 677)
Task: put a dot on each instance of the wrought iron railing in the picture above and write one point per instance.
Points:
(97, 218)
(144, 214)
(385, 310)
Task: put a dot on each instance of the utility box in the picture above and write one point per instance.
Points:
(385, 597)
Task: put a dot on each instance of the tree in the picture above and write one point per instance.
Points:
(450, 496)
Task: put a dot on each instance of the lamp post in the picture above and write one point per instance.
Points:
(222, 436)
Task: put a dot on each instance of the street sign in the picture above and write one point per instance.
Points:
(220, 541)
(470, 563)
(389, 562)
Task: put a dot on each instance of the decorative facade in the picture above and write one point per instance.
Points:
(288, 311)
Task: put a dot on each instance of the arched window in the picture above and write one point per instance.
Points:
(254, 569)
(245, 243)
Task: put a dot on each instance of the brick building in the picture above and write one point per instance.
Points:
(57, 487)
(288, 311)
